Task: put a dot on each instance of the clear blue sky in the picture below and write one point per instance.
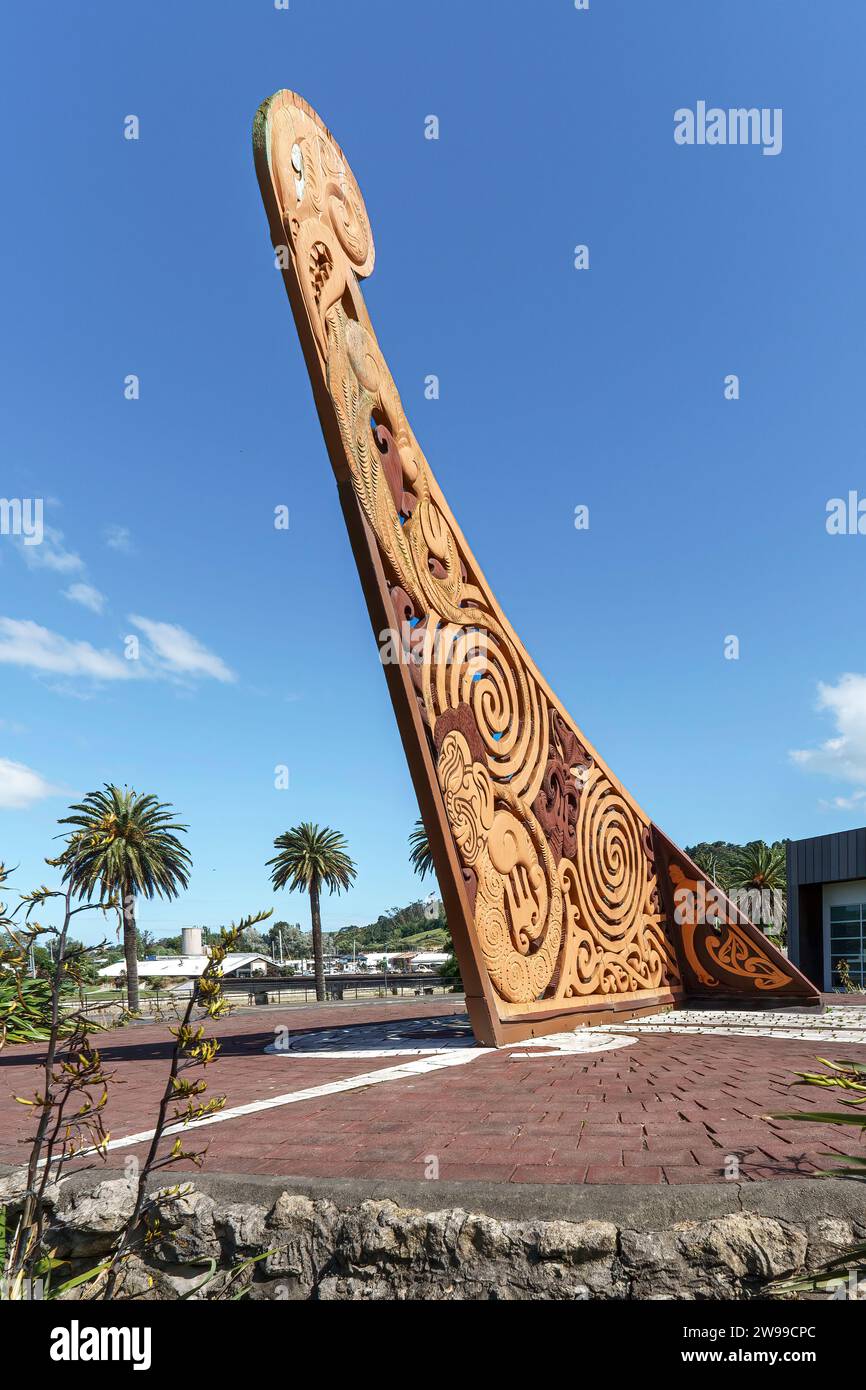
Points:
(558, 387)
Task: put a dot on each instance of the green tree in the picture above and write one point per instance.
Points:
(422, 863)
(169, 945)
(419, 850)
(762, 868)
(307, 859)
(125, 846)
(715, 861)
(752, 866)
(146, 943)
(256, 941)
(295, 943)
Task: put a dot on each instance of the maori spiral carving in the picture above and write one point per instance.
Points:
(557, 869)
(615, 895)
(723, 954)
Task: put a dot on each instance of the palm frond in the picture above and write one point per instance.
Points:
(310, 855)
(124, 843)
(420, 856)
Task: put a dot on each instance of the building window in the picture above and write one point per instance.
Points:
(848, 942)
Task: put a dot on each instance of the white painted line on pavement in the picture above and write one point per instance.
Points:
(329, 1088)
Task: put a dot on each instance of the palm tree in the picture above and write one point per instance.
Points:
(419, 850)
(759, 867)
(123, 846)
(307, 858)
(422, 862)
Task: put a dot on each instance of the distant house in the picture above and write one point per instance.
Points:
(241, 965)
(425, 960)
(376, 960)
(408, 960)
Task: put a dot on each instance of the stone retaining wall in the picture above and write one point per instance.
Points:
(349, 1241)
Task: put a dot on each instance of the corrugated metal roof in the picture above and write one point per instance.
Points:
(828, 858)
(186, 966)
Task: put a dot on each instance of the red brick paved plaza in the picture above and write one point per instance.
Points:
(667, 1109)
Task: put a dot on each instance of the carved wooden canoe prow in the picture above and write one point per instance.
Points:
(566, 904)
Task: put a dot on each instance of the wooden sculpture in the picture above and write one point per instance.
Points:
(565, 902)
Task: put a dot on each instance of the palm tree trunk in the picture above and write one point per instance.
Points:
(318, 960)
(130, 948)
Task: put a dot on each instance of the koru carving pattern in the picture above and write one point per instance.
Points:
(558, 863)
(725, 955)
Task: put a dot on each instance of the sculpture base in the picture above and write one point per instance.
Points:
(563, 1017)
(552, 1017)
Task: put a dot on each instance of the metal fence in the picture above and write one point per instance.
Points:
(341, 986)
(295, 989)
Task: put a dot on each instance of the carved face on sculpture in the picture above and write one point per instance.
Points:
(314, 181)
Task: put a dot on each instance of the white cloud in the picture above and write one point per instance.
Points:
(25, 643)
(169, 651)
(844, 755)
(117, 537)
(20, 786)
(52, 554)
(181, 653)
(844, 803)
(87, 596)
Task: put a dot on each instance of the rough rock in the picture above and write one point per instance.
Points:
(241, 1230)
(576, 1242)
(315, 1248)
(89, 1221)
(829, 1237)
(749, 1247)
(13, 1187)
(182, 1226)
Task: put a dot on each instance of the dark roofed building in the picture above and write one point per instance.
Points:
(827, 906)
